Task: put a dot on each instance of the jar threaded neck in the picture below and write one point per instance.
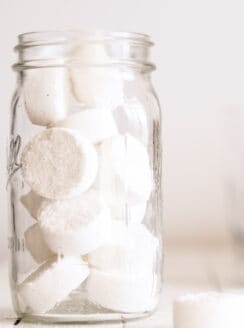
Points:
(98, 48)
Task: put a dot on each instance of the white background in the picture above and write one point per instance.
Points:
(199, 55)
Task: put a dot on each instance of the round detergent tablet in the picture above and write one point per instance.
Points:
(122, 293)
(129, 250)
(98, 87)
(93, 83)
(36, 244)
(58, 163)
(93, 124)
(51, 283)
(46, 94)
(125, 176)
(76, 226)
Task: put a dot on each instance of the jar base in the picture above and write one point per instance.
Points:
(84, 318)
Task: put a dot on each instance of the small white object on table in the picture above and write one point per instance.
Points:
(209, 310)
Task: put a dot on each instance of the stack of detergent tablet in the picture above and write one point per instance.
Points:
(88, 190)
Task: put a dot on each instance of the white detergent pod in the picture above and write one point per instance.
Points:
(122, 293)
(129, 213)
(76, 226)
(32, 203)
(129, 250)
(93, 84)
(36, 244)
(93, 124)
(58, 163)
(46, 94)
(51, 284)
(125, 176)
(93, 53)
(98, 87)
(209, 310)
(132, 116)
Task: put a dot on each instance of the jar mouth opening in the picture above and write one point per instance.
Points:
(96, 48)
(47, 37)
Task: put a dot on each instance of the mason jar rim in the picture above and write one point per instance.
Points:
(52, 36)
(65, 39)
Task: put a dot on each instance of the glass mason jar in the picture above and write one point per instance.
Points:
(84, 167)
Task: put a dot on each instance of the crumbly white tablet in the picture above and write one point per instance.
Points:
(46, 94)
(32, 203)
(129, 213)
(209, 310)
(51, 284)
(76, 226)
(132, 116)
(93, 53)
(93, 83)
(125, 176)
(36, 244)
(122, 293)
(97, 86)
(129, 250)
(58, 163)
(93, 124)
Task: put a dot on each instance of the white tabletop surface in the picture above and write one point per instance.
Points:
(186, 271)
